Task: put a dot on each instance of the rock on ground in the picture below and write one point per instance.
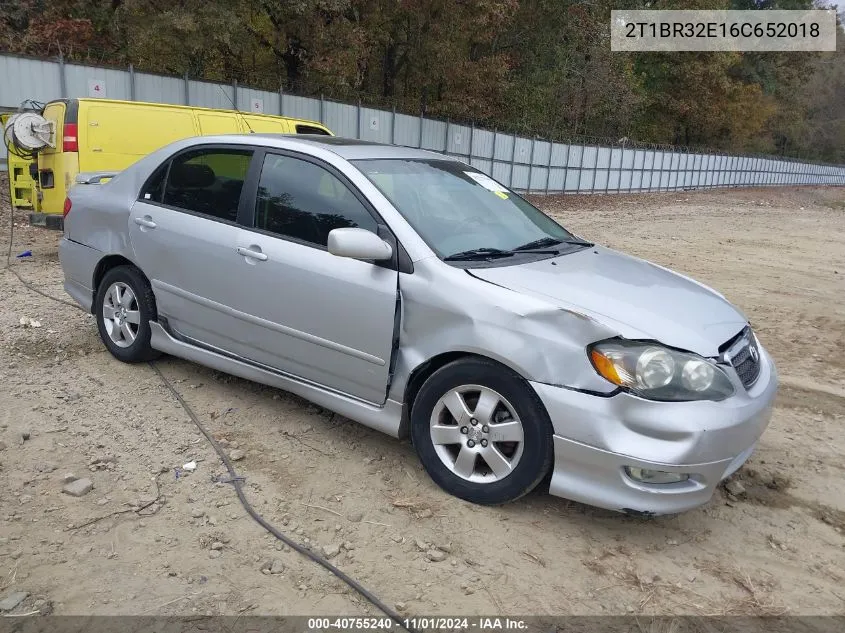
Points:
(78, 487)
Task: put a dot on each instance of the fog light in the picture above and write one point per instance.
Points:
(647, 476)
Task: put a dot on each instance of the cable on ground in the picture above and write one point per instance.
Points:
(234, 478)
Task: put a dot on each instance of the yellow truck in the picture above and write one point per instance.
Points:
(95, 135)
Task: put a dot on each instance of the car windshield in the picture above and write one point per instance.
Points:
(458, 210)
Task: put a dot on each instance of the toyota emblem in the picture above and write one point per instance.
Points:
(755, 355)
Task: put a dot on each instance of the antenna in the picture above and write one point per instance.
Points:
(235, 108)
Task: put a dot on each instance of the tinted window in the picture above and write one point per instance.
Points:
(302, 200)
(310, 129)
(154, 188)
(208, 181)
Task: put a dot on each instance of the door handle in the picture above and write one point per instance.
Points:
(146, 221)
(247, 252)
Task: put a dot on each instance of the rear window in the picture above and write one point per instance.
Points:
(154, 187)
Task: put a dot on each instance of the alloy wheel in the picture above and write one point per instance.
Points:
(477, 433)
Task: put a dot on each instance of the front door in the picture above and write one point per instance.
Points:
(326, 319)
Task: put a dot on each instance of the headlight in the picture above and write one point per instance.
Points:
(659, 373)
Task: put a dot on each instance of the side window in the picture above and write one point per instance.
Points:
(154, 188)
(302, 200)
(310, 129)
(208, 181)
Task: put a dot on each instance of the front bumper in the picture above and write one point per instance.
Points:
(596, 437)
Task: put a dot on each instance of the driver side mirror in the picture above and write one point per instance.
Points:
(358, 244)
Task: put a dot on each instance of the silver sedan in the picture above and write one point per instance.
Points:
(420, 297)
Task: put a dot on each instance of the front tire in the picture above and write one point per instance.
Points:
(124, 306)
(481, 432)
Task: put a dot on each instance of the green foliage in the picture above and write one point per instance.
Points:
(530, 66)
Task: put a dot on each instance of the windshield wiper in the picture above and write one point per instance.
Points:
(544, 242)
(477, 253)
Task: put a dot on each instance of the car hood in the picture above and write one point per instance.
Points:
(636, 298)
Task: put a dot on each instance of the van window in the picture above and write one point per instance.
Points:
(299, 199)
(208, 181)
(310, 129)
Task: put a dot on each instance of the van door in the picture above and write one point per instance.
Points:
(113, 135)
(58, 166)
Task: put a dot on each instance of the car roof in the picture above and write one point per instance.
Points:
(347, 148)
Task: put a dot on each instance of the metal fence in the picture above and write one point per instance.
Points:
(524, 164)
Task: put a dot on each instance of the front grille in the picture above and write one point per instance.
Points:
(746, 361)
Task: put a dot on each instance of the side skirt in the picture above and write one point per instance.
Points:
(381, 418)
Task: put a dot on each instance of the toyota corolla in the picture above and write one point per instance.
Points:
(415, 294)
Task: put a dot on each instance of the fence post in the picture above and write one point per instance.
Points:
(187, 89)
(471, 138)
(393, 126)
(580, 169)
(281, 101)
(513, 158)
(357, 118)
(421, 129)
(531, 164)
(131, 82)
(650, 169)
(235, 93)
(493, 156)
(669, 172)
(549, 166)
(62, 77)
(621, 167)
(595, 170)
(660, 171)
(323, 113)
(446, 137)
(566, 168)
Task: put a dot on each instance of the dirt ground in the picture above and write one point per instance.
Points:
(777, 548)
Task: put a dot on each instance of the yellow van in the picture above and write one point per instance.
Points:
(21, 183)
(109, 135)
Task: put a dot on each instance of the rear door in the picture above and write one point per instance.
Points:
(184, 231)
(58, 166)
(326, 319)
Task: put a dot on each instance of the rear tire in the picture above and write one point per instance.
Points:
(481, 432)
(124, 306)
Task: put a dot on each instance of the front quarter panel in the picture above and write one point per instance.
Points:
(446, 309)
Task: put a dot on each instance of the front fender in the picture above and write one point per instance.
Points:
(539, 341)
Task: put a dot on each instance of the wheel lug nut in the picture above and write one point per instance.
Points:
(473, 421)
(470, 443)
(484, 442)
(485, 428)
(464, 430)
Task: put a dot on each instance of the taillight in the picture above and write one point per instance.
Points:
(66, 210)
(70, 140)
